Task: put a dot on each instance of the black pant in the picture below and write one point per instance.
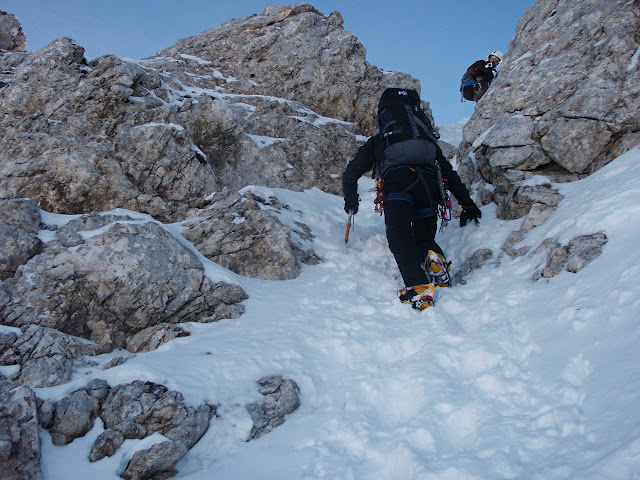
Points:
(410, 213)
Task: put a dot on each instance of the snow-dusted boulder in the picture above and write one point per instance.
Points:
(237, 234)
(573, 257)
(157, 461)
(151, 338)
(115, 283)
(135, 410)
(474, 262)
(280, 399)
(45, 356)
(106, 445)
(74, 415)
(139, 409)
(566, 101)
(583, 250)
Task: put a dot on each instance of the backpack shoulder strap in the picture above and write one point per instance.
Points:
(415, 121)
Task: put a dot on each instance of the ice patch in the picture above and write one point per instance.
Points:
(478, 141)
(9, 370)
(199, 61)
(263, 141)
(222, 76)
(634, 60)
(172, 126)
(524, 56)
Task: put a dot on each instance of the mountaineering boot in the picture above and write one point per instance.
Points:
(437, 269)
(419, 296)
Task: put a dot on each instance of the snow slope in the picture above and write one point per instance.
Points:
(505, 378)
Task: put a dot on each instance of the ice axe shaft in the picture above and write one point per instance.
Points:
(349, 220)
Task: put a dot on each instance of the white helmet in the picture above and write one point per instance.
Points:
(498, 54)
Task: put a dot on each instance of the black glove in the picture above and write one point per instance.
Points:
(351, 205)
(469, 212)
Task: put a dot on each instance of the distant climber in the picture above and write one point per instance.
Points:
(411, 173)
(476, 80)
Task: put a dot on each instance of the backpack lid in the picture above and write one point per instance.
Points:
(398, 96)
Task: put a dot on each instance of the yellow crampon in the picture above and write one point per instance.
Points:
(437, 269)
(419, 296)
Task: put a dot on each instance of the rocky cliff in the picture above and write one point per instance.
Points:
(299, 54)
(277, 99)
(566, 102)
(280, 99)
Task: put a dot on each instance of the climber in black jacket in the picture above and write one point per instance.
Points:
(483, 72)
(410, 214)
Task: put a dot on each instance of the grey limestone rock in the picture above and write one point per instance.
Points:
(116, 283)
(301, 53)
(583, 250)
(19, 225)
(46, 412)
(268, 140)
(116, 361)
(74, 142)
(141, 408)
(573, 257)
(156, 462)
(107, 443)
(557, 256)
(280, 398)
(152, 337)
(237, 234)
(524, 198)
(474, 262)
(134, 410)
(45, 355)
(11, 36)
(74, 417)
(537, 215)
(278, 99)
(19, 437)
(513, 239)
(448, 150)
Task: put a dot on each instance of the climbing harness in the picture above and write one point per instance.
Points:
(442, 210)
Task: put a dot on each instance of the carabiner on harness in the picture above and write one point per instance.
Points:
(379, 201)
(444, 210)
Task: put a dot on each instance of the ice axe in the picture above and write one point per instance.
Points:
(349, 221)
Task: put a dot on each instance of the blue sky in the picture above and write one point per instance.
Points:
(434, 41)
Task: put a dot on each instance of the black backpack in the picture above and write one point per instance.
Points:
(410, 139)
(467, 85)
